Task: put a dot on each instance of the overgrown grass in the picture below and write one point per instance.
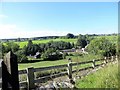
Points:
(104, 78)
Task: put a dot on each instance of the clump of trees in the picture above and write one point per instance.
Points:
(70, 35)
(10, 46)
(102, 46)
(21, 57)
(14, 47)
(81, 42)
(48, 51)
(51, 54)
(31, 48)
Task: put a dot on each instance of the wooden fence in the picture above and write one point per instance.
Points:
(31, 81)
(10, 71)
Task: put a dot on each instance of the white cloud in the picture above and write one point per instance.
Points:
(3, 16)
(13, 31)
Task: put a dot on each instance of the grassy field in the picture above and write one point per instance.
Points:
(22, 44)
(105, 78)
(41, 63)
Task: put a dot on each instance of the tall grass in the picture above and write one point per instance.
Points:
(105, 78)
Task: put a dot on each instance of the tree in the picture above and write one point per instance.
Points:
(10, 46)
(51, 54)
(102, 46)
(31, 48)
(81, 41)
(69, 35)
(21, 57)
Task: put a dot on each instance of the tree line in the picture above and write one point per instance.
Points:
(51, 50)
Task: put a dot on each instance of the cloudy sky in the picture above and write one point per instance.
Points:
(34, 19)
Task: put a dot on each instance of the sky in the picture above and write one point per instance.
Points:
(36, 19)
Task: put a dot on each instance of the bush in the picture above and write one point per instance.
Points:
(64, 55)
(51, 54)
(21, 57)
(102, 46)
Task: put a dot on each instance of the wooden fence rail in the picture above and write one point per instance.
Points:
(30, 83)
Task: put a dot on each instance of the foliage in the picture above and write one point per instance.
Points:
(31, 48)
(82, 42)
(21, 56)
(44, 41)
(69, 35)
(10, 46)
(51, 54)
(102, 46)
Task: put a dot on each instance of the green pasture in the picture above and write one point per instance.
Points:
(22, 44)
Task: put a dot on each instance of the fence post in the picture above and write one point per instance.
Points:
(10, 78)
(105, 60)
(116, 57)
(30, 78)
(93, 63)
(1, 73)
(112, 58)
(70, 71)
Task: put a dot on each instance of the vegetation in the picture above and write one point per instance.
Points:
(21, 56)
(45, 63)
(82, 41)
(44, 41)
(52, 54)
(102, 46)
(10, 46)
(104, 78)
(69, 35)
(51, 50)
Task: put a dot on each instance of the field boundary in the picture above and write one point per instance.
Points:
(30, 83)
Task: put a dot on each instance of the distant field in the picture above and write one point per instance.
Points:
(22, 44)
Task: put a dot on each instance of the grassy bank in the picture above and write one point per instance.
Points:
(105, 78)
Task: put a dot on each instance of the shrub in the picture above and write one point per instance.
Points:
(21, 56)
(102, 46)
(51, 54)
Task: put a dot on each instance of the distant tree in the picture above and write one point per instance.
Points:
(69, 35)
(31, 48)
(51, 54)
(18, 39)
(81, 42)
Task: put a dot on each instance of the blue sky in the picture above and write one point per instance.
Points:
(50, 18)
